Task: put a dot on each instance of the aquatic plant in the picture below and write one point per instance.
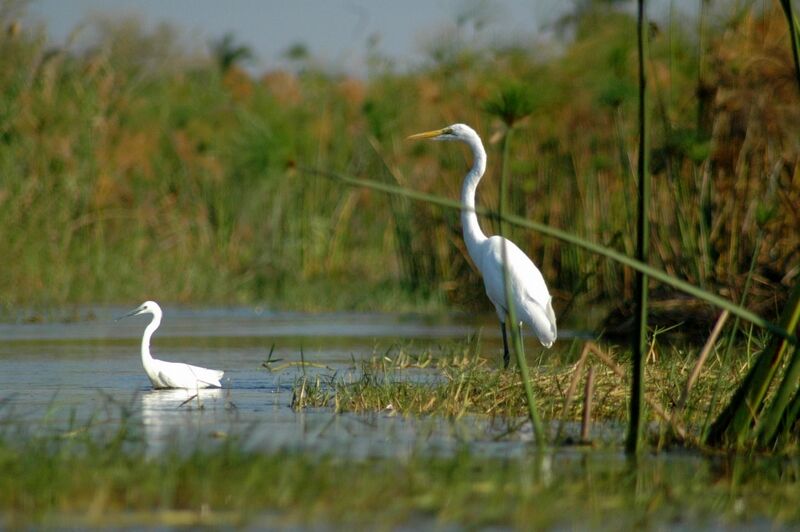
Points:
(794, 36)
(639, 337)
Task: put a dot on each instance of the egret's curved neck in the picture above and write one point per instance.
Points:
(473, 236)
(147, 358)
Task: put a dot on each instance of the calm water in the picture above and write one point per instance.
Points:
(87, 372)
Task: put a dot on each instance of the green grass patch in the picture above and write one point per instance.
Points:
(460, 380)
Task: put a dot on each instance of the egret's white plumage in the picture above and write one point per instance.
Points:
(170, 374)
(529, 295)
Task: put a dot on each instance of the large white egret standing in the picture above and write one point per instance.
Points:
(529, 295)
(170, 374)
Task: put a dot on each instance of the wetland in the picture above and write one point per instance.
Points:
(273, 448)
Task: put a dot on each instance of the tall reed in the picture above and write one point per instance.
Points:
(778, 410)
(513, 104)
(735, 424)
(639, 337)
(794, 36)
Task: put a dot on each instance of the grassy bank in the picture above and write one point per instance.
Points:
(136, 168)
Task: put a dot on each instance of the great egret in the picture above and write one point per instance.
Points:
(170, 374)
(529, 295)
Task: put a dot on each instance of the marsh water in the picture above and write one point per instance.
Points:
(85, 373)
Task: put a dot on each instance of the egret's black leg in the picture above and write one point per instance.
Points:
(506, 356)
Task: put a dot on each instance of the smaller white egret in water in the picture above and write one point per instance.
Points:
(170, 374)
(532, 302)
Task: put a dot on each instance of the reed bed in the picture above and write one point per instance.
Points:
(141, 167)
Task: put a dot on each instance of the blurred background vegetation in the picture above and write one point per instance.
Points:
(137, 169)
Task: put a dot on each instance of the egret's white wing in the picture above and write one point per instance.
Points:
(164, 381)
(180, 375)
(529, 293)
(525, 278)
(173, 375)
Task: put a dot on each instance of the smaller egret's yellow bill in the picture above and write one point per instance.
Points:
(426, 135)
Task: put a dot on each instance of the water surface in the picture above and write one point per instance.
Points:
(63, 375)
(69, 377)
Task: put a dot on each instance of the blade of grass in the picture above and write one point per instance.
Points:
(586, 419)
(708, 425)
(789, 421)
(735, 421)
(794, 35)
(516, 336)
(577, 370)
(701, 360)
(775, 412)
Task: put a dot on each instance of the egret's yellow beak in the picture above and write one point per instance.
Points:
(426, 135)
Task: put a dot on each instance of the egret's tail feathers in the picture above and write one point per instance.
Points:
(541, 320)
(207, 378)
(551, 315)
(212, 377)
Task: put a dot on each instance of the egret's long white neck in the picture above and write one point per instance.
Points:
(473, 236)
(147, 358)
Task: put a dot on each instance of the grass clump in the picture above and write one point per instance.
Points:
(465, 382)
(454, 388)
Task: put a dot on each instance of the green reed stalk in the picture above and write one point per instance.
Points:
(792, 416)
(746, 290)
(515, 330)
(735, 421)
(794, 35)
(564, 236)
(734, 329)
(639, 340)
(771, 419)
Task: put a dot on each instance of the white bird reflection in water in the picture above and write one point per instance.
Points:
(180, 417)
